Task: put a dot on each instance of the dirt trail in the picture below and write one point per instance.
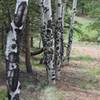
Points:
(79, 82)
(86, 49)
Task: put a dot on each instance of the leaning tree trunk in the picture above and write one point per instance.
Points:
(48, 39)
(70, 35)
(58, 38)
(12, 50)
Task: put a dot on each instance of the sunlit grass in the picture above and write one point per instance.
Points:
(84, 20)
(51, 93)
(36, 62)
(94, 71)
(3, 94)
(82, 58)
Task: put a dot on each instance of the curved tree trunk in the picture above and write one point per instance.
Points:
(12, 50)
(48, 39)
(39, 51)
(70, 34)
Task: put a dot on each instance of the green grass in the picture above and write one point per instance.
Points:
(84, 20)
(94, 72)
(36, 62)
(2, 88)
(37, 65)
(91, 82)
(88, 85)
(2, 94)
(86, 34)
(51, 93)
(83, 58)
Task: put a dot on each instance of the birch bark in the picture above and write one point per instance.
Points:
(48, 39)
(58, 37)
(12, 50)
(62, 35)
(70, 34)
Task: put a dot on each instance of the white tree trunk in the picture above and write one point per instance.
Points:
(70, 34)
(62, 35)
(12, 50)
(63, 11)
(48, 39)
(58, 37)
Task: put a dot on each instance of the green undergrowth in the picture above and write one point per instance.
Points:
(51, 93)
(3, 94)
(88, 34)
(82, 58)
(35, 62)
(94, 72)
(89, 81)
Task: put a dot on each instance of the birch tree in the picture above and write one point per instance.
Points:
(62, 35)
(12, 50)
(58, 36)
(48, 39)
(71, 30)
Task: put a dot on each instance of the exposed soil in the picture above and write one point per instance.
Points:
(80, 80)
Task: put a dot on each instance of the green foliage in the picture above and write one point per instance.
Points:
(34, 16)
(95, 13)
(2, 95)
(51, 93)
(90, 21)
(94, 72)
(83, 58)
(87, 32)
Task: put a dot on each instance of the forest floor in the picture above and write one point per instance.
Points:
(80, 80)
